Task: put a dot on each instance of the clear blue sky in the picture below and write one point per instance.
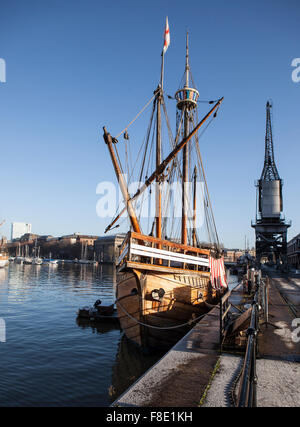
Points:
(73, 66)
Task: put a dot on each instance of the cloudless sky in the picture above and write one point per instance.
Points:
(74, 66)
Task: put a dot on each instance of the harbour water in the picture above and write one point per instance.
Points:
(49, 358)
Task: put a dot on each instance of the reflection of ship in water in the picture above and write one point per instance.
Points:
(97, 327)
(3, 275)
(131, 363)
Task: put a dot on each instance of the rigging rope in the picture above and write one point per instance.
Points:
(132, 121)
(206, 187)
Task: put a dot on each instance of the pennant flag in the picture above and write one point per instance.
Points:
(166, 37)
(217, 273)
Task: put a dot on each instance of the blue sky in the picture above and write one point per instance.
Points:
(74, 66)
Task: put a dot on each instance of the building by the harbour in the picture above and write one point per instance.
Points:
(18, 229)
(107, 248)
(73, 246)
(293, 252)
(232, 255)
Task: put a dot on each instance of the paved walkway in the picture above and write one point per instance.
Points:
(193, 370)
(181, 377)
(278, 363)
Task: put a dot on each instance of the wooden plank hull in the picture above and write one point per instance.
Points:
(152, 323)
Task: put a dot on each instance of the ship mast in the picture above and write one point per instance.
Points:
(109, 140)
(171, 156)
(185, 154)
(186, 101)
(159, 94)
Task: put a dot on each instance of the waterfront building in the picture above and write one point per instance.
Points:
(232, 255)
(28, 237)
(86, 239)
(107, 248)
(293, 252)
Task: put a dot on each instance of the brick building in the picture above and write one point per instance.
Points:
(293, 252)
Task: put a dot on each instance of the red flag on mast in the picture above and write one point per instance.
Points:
(166, 36)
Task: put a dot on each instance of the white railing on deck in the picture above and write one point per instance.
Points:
(135, 247)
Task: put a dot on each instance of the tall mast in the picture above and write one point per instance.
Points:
(171, 156)
(158, 154)
(159, 95)
(131, 213)
(185, 154)
(187, 102)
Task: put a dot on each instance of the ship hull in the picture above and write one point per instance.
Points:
(153, 323)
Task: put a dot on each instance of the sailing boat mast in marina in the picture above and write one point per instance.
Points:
(163, 284)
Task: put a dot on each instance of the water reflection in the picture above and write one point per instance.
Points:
(97, 327)
(50, 358)
(130, 364)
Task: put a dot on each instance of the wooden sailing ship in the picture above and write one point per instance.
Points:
(165, 283)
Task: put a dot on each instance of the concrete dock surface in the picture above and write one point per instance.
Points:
(181, 377)
(194, 373)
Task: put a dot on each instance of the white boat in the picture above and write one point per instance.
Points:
(4, 259)
(37, 261)
(50, 260)
(83, 258)
(27, 258)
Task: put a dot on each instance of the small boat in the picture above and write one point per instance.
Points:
(84, 256)
(27, 258)
(50, 260)
(19, 258)
(98, 312)
(167, 276)
(4, 259)
(36, 260)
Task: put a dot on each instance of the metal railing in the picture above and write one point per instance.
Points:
(247, 390)
(225, 307)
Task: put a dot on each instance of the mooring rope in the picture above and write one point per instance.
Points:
(158, 327)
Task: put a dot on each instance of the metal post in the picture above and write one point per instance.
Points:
(221, 322)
